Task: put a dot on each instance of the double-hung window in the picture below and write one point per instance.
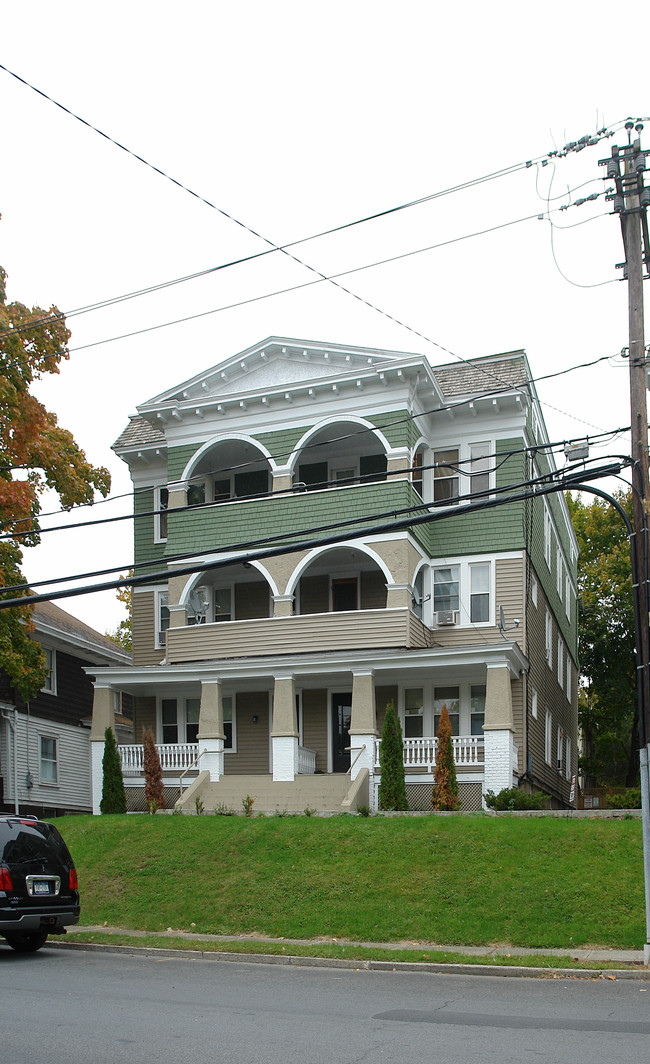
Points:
(477, 708)
(560, 661)
(49, 686)
(162, 617)
(479, 593)
(161, 506)
(549, 639)
(413, 709)
(449, 697)
(548, 727)
(446, 477)
(548, 534)
(48, 759)
(446, 588)
(479, 468)
(179, 719)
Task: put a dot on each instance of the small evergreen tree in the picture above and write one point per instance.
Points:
(153, 781)
(445, 788)
(392, 789)
(113, 795)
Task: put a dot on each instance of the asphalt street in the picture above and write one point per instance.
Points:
(72, 1006)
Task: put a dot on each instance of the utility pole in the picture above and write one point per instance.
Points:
(626, 168)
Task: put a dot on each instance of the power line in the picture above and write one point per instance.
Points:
(539, 487)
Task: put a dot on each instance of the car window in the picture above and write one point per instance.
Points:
(22, 841)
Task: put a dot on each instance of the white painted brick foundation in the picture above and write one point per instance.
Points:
(96, 774)
(500, 760)
(285, 757)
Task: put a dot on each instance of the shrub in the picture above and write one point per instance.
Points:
(445, 788)
(392, 789)
(247, 805)
(113, 795)
(511, 798)
(629, 799)
(153, 781)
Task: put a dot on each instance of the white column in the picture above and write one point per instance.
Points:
(284, 737)
(363, 722)
(103, 718)
(211, 735)
(500, 752)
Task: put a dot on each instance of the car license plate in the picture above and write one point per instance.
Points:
(41, 886)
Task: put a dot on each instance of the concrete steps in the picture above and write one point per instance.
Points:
(321, 793)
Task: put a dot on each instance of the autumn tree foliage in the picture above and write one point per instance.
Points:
(392, 789)
(153, 778)
(35, 453)
(123, 634)
(445, 787)
(113, 793)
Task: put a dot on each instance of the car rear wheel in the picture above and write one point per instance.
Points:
(28, 941)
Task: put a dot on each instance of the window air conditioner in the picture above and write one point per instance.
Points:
(446, 617)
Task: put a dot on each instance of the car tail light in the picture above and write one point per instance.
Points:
(73, 879)
(5, 879)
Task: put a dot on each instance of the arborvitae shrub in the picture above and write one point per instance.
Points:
(113, 796)
(392, 789)
(153, 779)
(445, 788)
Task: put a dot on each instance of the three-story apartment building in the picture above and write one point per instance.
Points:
(319, 527)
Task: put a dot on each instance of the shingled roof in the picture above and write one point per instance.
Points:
(139, 433)
(48, 616)
(489, 374)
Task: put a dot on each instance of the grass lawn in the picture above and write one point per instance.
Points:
(472, 880)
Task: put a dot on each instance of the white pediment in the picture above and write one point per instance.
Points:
(276, 363)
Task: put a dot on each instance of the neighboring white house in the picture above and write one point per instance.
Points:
(267, 672)
(44, 744)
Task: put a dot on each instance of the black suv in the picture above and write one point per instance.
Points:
(38, 883)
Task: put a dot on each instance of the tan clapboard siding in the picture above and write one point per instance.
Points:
(510, 585)
(328, 631)
(253, 740)
(145, 651)
(144, 716)
(252, 600)
(315, 594)
(315, 725)
(373, 590)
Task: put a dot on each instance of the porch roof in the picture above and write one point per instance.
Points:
(416, 666)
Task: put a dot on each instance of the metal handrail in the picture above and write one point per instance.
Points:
(186, 770)
(351, 748)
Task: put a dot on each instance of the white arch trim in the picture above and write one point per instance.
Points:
(193, 580)
(352, 544)
(334, 420)
(225, 437)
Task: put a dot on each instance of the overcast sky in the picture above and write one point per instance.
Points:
(295, 117)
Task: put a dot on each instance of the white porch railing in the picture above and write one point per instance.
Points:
(421, 753)
(306, 761)
(174, 757)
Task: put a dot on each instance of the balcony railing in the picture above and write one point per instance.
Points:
(174, 757)
(421, 753)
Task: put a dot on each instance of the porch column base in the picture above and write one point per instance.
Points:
(360, 758)
(500, 755)
(211, 758)
(96, 774)
(285, 757)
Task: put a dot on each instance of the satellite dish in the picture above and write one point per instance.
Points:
(198, 605)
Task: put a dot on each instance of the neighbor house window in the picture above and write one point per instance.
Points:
(413, 709)
(446, 588)
(479, 597)
(449, 697)
(446, 477)
(48, 759)
(49, 686)
(477, 708)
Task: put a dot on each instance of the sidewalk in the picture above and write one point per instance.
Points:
(616, 956)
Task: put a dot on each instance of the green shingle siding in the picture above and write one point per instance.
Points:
(144, 547)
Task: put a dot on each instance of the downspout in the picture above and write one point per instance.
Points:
(13, 724)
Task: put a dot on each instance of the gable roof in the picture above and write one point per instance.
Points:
(62, 631)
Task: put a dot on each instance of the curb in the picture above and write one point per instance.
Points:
(429, 967)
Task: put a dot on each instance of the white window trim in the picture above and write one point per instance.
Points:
(464, 463)
(533, 590)
(559, 561)
(567, 595)
(560, 661)
(567, 757)
(548, 535)
(548, 736)
(464, 588)
(55, 740)
(568, 677)
(233, 708)
(181, 716)
(157, 536)
(51, 689)
(160, 593)
(548, 635)
(533, 703)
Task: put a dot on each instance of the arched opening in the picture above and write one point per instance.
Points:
(235, 593)
(341, 580)
(340, 453)
(228, 469)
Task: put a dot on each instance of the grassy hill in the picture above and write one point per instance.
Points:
(463, 880)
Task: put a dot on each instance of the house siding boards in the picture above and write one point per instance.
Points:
(285, 609)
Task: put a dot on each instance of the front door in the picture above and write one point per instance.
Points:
(341, 716)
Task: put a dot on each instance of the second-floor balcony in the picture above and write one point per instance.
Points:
(343, 630)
